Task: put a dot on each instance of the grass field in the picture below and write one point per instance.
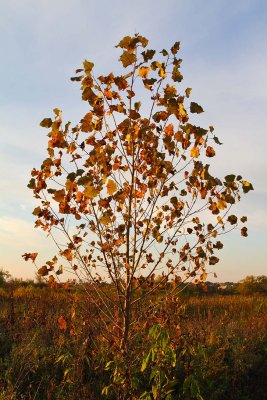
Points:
(215, 348)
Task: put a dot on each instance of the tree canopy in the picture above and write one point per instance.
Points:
(127, 192)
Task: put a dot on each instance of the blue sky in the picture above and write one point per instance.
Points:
(223, 46)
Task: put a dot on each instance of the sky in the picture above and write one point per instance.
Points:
(224, 52)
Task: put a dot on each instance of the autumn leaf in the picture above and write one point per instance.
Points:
(43, 271)
(196, 108)
(232, 219)
(181, 109)
(213, 260)
(105, 219)
(210, 152)
(244, 231)
(222, 204)
(46, 123)
(143, 72)
(216, 140)
(194, 153)
(203, 276)
(247, 186)
(31, 184)
(88, 66)
(176, 74)
(218, 245)
(127, 58)
(229, 178)
(121, 82)
(90, 191)
(111, 187)
(57, 112)
(29, 256)
(220, 220)
(187, 92)
(62, 323)
(86, 123)
(169, 130)
(67, 254)
(175, 48)
(59, 195)
(79, 196)
(148, 55)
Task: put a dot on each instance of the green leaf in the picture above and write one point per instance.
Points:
(196, 108)
(145, 361)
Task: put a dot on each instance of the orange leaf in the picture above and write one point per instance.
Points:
(59, 195)
(111, 187)
(62, 323)
(194, 153)
(29, 256)
(169, 130)
(79, 196)
(143, 72)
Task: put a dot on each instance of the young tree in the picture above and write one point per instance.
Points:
(126, 186)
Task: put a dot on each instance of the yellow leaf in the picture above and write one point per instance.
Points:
(58, 112)
(219, 219)
(203, 276)
(105, 219)
(194, 153)
(182, 111)
(222, 204)
(162, 73)
(111, 187)
(187, 92)
(90, 191)
(143, 72)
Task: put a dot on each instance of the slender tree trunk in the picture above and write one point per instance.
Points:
(126, 320)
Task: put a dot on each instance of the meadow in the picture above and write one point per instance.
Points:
(212, 347)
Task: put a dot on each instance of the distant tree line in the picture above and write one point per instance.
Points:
(247, 286)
